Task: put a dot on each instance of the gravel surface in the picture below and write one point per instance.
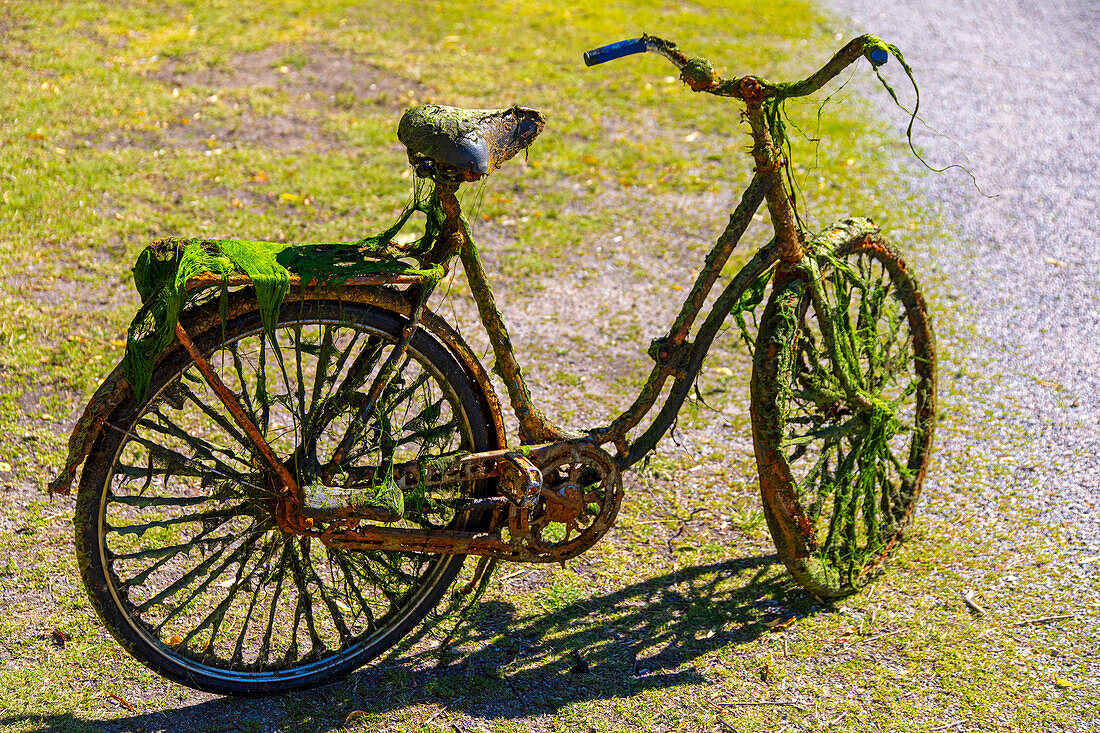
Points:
(1015, 85)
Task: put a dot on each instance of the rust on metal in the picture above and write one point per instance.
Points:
(112, 391)
(288, 514)
(115, 388)
(208, 279)
(533, 503)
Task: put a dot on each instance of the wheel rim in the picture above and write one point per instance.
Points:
(190, 550)
(851, 465)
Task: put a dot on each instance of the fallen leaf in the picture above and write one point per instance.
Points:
(122, 701)
(291, 197)
(723, 371)
(1066, 684)
(118, 342)
(1056, 263)
(355, 715)
(5, 467)
(59, 637)
(779, 624)
(175, 640)
(691, 137)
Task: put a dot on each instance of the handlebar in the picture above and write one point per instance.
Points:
(613, 51)
(701, 76)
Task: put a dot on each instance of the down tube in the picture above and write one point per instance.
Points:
(764, 259)
(677, 334)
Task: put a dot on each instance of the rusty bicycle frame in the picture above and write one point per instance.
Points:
(520, 490)
(675, 355)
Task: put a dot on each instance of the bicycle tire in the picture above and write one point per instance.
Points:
(840, 479)
(177, 546)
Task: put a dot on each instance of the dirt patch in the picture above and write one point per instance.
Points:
(316, 75)
(316, 78)
(278, 132)
(245, 129)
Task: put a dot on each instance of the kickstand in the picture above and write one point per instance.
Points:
(482, 573)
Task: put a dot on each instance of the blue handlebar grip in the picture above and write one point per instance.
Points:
(879, 56)
(614, 51)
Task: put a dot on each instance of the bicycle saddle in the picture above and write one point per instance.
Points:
(476, 141)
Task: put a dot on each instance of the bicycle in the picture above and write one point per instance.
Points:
(295, 456)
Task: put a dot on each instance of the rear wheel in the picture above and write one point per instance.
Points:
(841, 470)
(176, 535)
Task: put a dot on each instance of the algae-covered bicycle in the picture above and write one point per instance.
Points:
(295, 456)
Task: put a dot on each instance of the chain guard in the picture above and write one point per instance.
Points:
(551, 520)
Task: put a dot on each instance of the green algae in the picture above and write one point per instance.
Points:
(163, 269)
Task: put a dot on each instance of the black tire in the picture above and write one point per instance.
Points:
(840, 474)
(175, 535)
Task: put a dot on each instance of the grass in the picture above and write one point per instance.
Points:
(122, 123)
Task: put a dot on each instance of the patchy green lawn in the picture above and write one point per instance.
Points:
(120, 123)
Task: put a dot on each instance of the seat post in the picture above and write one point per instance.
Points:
(453, 233)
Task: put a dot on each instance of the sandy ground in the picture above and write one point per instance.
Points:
(1014, 84)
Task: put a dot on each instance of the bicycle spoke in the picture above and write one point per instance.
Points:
(263, 654)
(199, 570)
(344, 562)
(202, 448)
(186, 519)
(261, 571)
(323, 352)
(149, 502)
(333, 609)
(227, 426)
(223, 513)
(213, 620)
(304, 607)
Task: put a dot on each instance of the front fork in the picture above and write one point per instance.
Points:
(810, 271)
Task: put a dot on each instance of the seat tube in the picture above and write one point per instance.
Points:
(534, 426)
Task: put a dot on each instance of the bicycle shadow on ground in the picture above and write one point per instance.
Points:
(651, 635)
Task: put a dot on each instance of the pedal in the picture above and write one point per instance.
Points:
(523, 482)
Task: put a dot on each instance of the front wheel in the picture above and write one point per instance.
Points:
(177, 537)
(842, 458)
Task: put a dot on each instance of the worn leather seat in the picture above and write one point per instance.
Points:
(476, 141)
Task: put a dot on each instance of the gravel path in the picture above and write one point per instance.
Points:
(1015, 84)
